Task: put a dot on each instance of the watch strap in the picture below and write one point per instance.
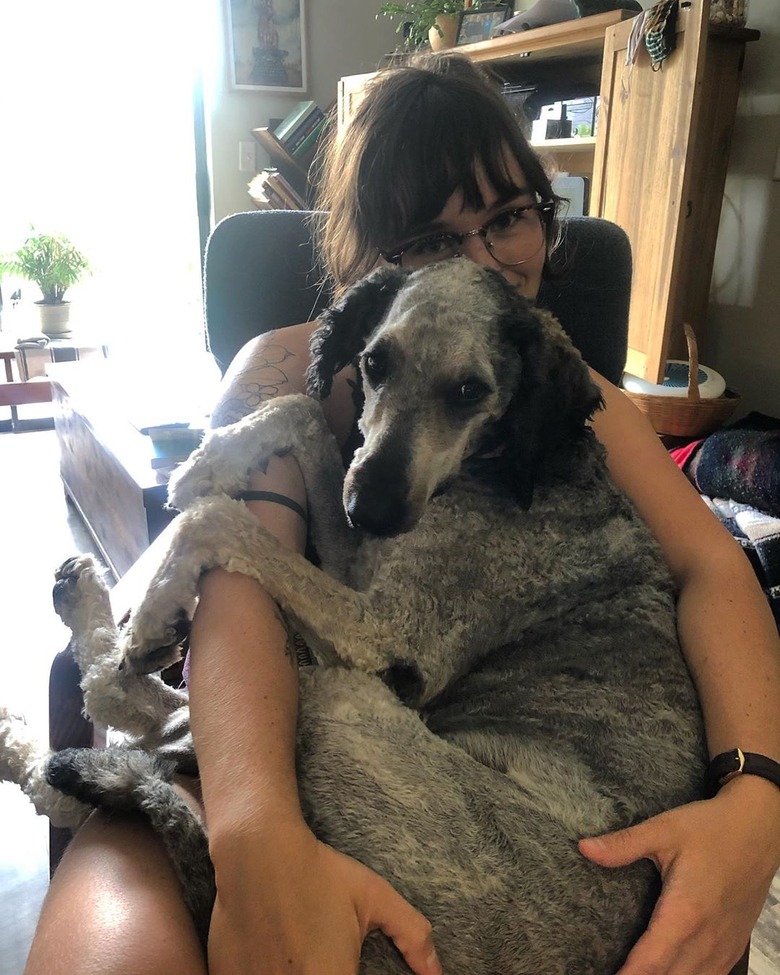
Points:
(729, 765)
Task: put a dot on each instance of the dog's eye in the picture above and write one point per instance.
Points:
(374, 367)
(469, 393)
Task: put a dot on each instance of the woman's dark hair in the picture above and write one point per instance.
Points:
(422, 131)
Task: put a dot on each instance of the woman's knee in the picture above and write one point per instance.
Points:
(115, 907)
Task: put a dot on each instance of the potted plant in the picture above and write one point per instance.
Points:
(428, 20)
(53, 263)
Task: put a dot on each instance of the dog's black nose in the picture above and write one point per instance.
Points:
(376, 512)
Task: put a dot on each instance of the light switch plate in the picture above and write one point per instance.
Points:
(247, 159)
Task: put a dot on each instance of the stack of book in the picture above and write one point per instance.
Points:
(271, 191)
(299, 132)
(291, 147)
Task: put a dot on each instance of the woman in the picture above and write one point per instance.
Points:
(432, 164)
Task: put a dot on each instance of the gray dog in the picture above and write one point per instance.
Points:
(499, 672)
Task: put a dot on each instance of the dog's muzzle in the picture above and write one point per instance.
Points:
(378, 510)
(376, 497)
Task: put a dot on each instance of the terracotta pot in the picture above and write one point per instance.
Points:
(449, 27)
(55, 319)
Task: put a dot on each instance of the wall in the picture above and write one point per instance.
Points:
(342, 38)
(742, 340)
(742, 337)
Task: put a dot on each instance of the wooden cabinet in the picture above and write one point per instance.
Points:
(658, 162)
(660, 170)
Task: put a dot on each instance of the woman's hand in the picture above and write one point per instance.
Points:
(717, 860)
(305, 909)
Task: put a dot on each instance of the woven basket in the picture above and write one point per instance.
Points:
(692, 416)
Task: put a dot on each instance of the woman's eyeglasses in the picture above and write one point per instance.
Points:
(511, 238)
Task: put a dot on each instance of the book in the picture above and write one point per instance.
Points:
(268, 191)
(308, 144)
(277, 200)
(259, 194)
(294, 119)
(263, 194)
(304, 129)
(285, 189)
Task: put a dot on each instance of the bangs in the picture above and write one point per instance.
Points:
(449, 149)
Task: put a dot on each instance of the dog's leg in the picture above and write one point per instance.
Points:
(295, 425)
(130, 780)
(23, 760)
(221, 532)
(124, 701)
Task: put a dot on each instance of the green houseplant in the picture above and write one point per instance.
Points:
(422, 16)
(53, 263)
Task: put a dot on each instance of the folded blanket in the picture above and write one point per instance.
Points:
(741, 462)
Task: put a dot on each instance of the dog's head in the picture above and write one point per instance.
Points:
(453, 365)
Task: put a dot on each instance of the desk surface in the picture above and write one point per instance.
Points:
(92, 393)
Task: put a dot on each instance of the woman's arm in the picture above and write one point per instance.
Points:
(717, 858)
(285, 902)
(274, 365)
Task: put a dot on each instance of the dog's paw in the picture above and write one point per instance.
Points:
(149, 645)
(80, 590)
(107, 778)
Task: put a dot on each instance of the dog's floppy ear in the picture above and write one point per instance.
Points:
(554, 400)
(345, 326)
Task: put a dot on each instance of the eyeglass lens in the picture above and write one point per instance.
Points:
(512, 237)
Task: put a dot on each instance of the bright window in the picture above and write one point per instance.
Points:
(96, 141)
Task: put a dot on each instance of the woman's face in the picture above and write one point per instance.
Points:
(460, 219)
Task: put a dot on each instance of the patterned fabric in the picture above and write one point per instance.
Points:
(737, 472)
(759, 535)
(660, 28)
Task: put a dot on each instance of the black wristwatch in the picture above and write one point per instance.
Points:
(723, 768)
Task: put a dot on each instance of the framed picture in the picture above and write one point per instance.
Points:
(478, 24)
(266, 41)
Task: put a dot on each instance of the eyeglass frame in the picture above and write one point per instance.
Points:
(545, 209)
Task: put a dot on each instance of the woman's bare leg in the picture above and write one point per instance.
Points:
(115, 908)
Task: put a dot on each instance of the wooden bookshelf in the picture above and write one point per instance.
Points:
(292, 170)
(578, 39)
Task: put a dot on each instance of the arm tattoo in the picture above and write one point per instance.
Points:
(267, 381)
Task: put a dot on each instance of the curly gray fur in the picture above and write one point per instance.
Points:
(499, 667)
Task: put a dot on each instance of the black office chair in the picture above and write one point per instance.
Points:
(261, 273)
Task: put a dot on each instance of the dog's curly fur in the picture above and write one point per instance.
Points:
(499, 667)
